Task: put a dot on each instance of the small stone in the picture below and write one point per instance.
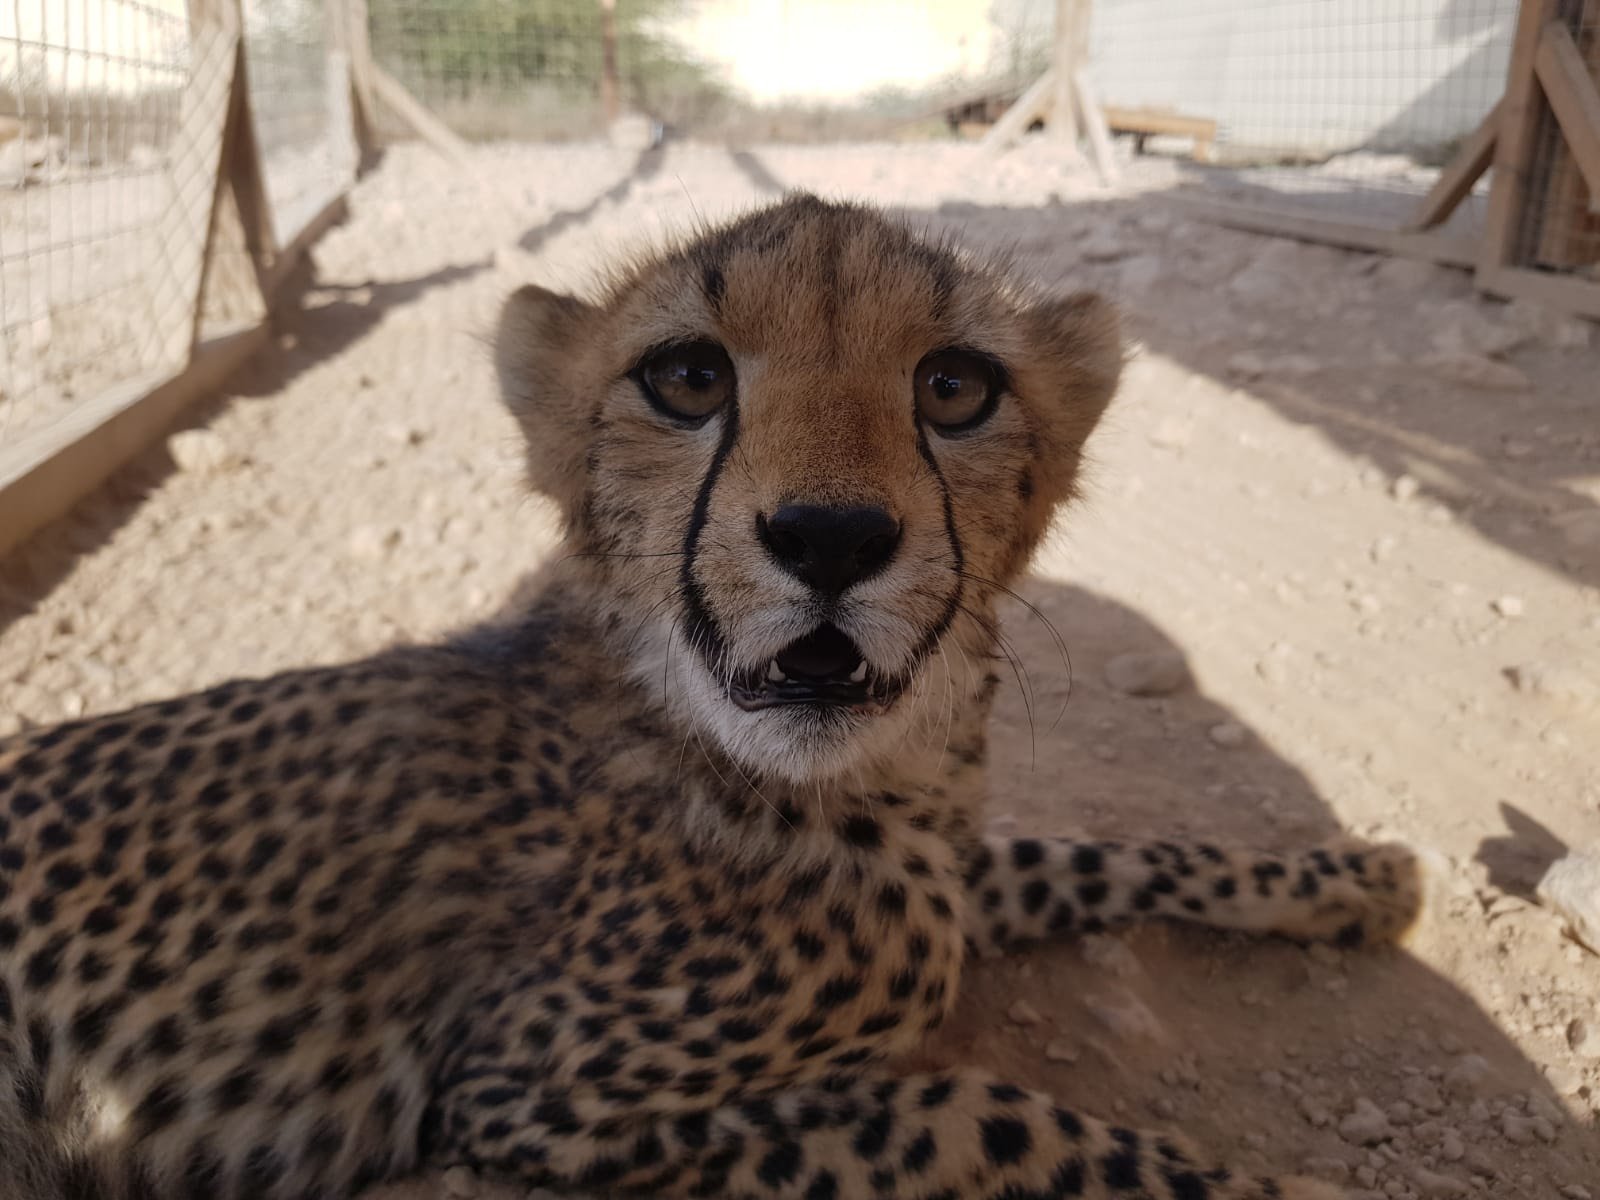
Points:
(199, 450)
(1558, 682)
(1111, 955)
(460, 1183)
(1159, 673)
(374, 541)
(1023, 1013)
(1583, 1039)
(1422, 1094)
(1451, 1147)
(1228, 734)
(1366, 1176)
(1404, 487)
(1365, 1125)
(1468, 1076)
(1508, 606)
(1566, 1081)
(1432, 1183)
(1126, 1016)
(1061, 1051)
(1576, 1191)
(1399, 1113)
(1518, 1129)
(1256, 1141)
(1477, 370)
(1246, 366)
(1383, 548)
(1332, 1170)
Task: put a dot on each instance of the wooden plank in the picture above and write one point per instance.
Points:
(1203, 130)
(352, 34)
(1431, 247)
(1514, 140)
(1573, 98)
(1456, 181)
(176, 265)
(1569, 293)
(1030, 106)
(283, 267)
(43, 476)
(1067, 53)
(1094, 123)
(423, 123)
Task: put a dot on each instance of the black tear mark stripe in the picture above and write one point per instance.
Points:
(715, 286)
(953, 605)
(702, 630)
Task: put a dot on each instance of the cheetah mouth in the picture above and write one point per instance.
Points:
(823, 669)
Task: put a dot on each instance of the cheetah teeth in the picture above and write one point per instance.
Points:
(859, 675)
(775, 674)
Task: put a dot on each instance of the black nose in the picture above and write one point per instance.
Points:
(829, 548)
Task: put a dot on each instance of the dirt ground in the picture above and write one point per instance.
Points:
(1363, 504)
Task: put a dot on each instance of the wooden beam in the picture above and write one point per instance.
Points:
(1094, 124)
(1569, 293)
(1571, 92)
(1065, 58)
(1430, 247)
(422, 122)
(1514, 140)
(44, 474)
(1203, 130)
(177, 256)
(1456, 181)
(1029, 107)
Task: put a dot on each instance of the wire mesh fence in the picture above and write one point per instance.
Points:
(721, 69)
(89, 107)
(1343, 109)
(300, 102)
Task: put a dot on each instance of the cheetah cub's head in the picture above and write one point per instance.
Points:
(804, 452)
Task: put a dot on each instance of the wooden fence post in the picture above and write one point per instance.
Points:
(194, 174)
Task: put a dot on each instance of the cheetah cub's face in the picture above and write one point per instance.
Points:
(803, 452)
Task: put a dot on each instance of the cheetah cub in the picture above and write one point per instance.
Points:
(647, 889)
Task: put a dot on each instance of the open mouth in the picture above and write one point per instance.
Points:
(823, 668)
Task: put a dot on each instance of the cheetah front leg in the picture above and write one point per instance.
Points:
(921, 1137)
(1023, 889)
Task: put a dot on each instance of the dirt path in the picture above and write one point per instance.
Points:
(1385, 580)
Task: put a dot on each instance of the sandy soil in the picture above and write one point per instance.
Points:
(1378, 551)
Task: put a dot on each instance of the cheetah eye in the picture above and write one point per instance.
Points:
(689, 380)
(956, 389)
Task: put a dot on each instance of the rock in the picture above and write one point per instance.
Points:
(1111, 955)
(1431, 1183)
(1581, 529)
(1521, 1131)
(1451, 1147)
(1332, 1170)
(1462, 327)
(1228, 734)
(1583, 1038)
(374, 541)
(1126, 1016)
(460, 1183)
(1246, 366)
(1572, 888)
(1469, 1076)
(1475, 370)
(1567, 685)
(1567, 1081)
(1550, 326)
(1159, 673)
(1508, 606)
(1365, 1125)
(1576, 1191)
(1061, 1051)
(1404, 488)
(1023, 1013)
(199, 450)
(1421, 1093)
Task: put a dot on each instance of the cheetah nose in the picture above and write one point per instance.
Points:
(829, 548)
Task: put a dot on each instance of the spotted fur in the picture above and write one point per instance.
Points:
(534, 899)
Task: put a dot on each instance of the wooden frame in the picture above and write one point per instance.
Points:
(1550, 74)
(218, 203)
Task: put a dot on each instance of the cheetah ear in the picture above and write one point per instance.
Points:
(1079, 353)
(538, 352)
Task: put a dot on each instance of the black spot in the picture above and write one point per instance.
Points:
(1093, 892)
(873, 1136)
(823, 1186)
(862, 832)
(1035, 895)
(839, 990)
(1026, 853)
(1120, 1169)
(165, 1038)
(1224, 888)
(1006, 1140)
(64, 875)
(892, 900)
(781, 1165)
(161, 1106)
(937, 1093)
(1087, 860)
(922, 1151)
(91, 1024)
(236, 1089)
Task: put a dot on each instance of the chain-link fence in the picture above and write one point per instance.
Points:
(90, 95)
(723, 69)
(1344, 109)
